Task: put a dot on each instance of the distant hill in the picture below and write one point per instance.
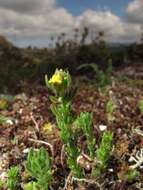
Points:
(4, 43)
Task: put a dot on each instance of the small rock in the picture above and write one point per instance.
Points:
(102, 127)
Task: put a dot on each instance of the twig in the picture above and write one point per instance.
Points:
(67, 181)
(86, 157)
(36, 124)
(43, 142)
(62, 155)
(89, 181)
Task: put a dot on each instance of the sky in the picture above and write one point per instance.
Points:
(33, 22)
(77, 7)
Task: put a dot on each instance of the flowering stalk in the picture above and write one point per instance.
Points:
(61, 108)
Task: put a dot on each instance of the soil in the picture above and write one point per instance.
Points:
(30, 113)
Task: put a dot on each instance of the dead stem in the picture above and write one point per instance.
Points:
(86, 157)
(36, 124)
(89, 181)
(43, 142)
(67, 180)
(62, 155)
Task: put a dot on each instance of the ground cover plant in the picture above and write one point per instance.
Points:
(13, 178)
(39, 166)
(72, 134)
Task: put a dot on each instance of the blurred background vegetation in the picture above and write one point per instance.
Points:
(19, 65)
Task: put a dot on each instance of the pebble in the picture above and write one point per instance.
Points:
(102, 127)
(3, 176)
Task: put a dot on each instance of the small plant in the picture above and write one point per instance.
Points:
(103, 153)
(61, 108)
(103, 77)
(3, 104)
(13, 181)
(31, 186)
(85, 121)
(109, 70)
(2, 184)
(132, 175)
(70, 126)
(110, 109)
(141, 105)
(5, 101)
(65, 120)
(39, 166)
(7, 120)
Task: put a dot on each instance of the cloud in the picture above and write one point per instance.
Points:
(102, 21)
(55, 21)
(115, 28)
(33, 21)
(28, 6)
(135, 11)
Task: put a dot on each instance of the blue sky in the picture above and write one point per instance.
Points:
(77, 7)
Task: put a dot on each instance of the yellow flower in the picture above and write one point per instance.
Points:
(48, 128)
(59, 82)
(56, 79)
